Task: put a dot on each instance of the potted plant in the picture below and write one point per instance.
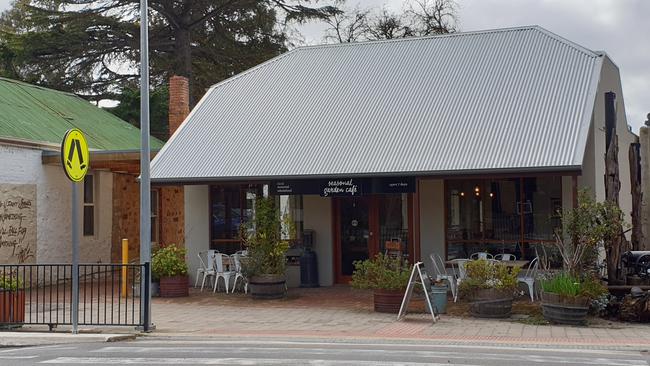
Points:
(168, 264)
(12, 300)
(566, 297)
(490, 286)
(387, 277)
(264, 266)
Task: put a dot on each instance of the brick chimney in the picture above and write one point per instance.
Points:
(179, 102)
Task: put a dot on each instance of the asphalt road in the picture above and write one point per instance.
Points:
(267, 352)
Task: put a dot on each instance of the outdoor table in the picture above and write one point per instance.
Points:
(517, 263)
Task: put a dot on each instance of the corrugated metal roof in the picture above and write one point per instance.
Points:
(499, 100)
(36, 114)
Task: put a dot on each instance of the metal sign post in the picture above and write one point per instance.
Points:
(145, 181)
(75, 259)
(75, 159)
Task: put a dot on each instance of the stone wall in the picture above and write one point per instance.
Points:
(126, 216)
(172, 229)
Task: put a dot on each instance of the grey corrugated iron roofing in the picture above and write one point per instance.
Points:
(500, 100)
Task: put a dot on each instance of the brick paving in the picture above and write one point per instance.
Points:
(343, 312)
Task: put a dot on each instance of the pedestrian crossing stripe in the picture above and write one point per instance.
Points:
(75, 157)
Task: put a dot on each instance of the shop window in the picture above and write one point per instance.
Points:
(89, 206)
(231, 206)
(501, 215)
(393, 221)
(290, 209)
(155, 216)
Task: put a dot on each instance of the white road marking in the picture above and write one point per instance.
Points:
(381, 354)
(16, 357)
(37, 348)
(397, 345)
(227, 361)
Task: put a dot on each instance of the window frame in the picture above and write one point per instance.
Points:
(92, 204)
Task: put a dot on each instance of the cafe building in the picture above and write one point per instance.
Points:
(448, 144)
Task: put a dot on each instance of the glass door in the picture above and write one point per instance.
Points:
(354, 234)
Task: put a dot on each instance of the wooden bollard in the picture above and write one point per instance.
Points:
(125, 260)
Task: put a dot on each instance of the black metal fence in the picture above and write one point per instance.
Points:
(109, 294)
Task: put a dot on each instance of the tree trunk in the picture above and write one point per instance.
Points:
(616, 245)
(183, 53)
(637, 195)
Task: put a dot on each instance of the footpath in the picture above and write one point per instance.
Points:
(341, 313)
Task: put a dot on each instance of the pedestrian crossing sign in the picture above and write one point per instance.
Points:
(75, 157)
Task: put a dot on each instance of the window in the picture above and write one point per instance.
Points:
(230, 207)
(155, 212)
(501, 215)
(290, 206)
(89, 206)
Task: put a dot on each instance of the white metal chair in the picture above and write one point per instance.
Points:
(459, 271)
(208, 270)
(529, 277)
(236, 259)
(505, 257)
(220, 272)
(202, 268)
(443, 275)
(481, 255)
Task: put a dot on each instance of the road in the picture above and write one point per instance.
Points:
(267, 352)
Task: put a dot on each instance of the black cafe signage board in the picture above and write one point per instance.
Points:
(344, 187)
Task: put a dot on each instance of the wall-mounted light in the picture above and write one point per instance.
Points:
(462, 194)
(491, 194)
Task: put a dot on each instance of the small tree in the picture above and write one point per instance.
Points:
(266, 248)
(583, 229)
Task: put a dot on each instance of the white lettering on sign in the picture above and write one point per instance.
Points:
(340, 187)
(17, 223)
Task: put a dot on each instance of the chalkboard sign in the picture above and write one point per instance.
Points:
(418, 277)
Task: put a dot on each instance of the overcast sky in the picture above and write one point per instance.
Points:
(619, 27)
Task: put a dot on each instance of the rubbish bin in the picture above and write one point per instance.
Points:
(308, 262)
(438, 297)
(308, 269)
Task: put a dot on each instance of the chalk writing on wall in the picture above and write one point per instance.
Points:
(17, 223)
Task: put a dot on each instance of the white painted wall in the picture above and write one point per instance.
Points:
(432, 219)
(197, 221)
(23, 165)
(594, 161)
(317, 216)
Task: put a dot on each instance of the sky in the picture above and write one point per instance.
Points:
(619, 27)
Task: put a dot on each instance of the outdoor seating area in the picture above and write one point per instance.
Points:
(454, 271)
(217, 266)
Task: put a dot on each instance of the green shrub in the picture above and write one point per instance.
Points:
(566, 285)
(9, 283)
(168, 261)
(381, 273)
(483, 274)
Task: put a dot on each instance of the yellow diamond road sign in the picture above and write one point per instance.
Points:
(74, 155)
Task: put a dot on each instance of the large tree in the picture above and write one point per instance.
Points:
(417, 18)
(91, 47)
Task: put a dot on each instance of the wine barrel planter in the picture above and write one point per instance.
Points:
(565, 310)
(12, 306)
(491, 303)
(177, 286)
(388, 301)
(265, 287)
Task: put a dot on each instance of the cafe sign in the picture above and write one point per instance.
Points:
(344, 187)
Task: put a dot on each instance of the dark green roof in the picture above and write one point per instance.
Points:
(36, 114)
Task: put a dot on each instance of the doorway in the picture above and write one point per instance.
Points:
(363, 224)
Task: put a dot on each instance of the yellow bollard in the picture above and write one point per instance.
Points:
(125, 260)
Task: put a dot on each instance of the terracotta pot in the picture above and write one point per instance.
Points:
(565, 310)
(176, 286)
(12, 306)
(491, 303)
(388, 301)
(267, 286)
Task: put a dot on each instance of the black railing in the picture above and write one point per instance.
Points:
(109, 294)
